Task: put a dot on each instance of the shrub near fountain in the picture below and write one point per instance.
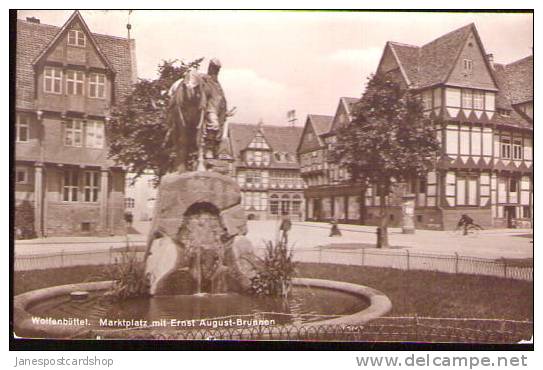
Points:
(199, 265)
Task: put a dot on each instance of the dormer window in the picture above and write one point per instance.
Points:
(468, 65)
(504, 112)
(76, 38)
(74, 82)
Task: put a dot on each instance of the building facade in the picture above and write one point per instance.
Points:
(265, 166)
(328, 195)
(67, 80)
(485, 165)
(140, 196)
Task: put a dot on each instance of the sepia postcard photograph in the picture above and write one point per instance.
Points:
(278, 176)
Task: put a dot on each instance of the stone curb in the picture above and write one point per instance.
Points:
(24, 327)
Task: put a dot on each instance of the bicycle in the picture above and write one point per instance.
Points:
(471, 230)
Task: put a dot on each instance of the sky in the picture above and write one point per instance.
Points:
(275, 61)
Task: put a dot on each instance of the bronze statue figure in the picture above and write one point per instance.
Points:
(196, 118)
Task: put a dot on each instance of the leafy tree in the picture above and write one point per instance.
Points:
(137, 130)
(388, 141)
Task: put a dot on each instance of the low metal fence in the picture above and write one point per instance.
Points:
(387, 329)
(403, 259)
(394, 258)
(63, 258)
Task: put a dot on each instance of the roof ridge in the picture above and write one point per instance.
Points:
(403, 44)
(256, 125)
(58, 27)
(519, 60)
(449, 33)
(319, 115)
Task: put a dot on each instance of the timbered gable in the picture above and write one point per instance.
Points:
(343, 113)
(471, 68)
(315, 126)
(74, 45)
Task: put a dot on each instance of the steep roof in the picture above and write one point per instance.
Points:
(321, 123)
(32, 41)
(280, 138)
(349, 101)
(432, 63)
(517, 79)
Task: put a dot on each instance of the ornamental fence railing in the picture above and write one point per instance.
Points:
(386, 329)
(392, 258)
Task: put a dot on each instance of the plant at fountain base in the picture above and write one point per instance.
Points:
(130, 279)
(275, 271)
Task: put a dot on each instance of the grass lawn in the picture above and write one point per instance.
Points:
(422, 293)
(517, 262)
(436, 294)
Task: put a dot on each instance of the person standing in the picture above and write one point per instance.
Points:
(284, 228)
(334, 231)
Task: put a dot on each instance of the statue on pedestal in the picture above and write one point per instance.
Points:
(196, 243)
(196, 119)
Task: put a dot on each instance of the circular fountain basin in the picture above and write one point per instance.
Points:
(51, 313)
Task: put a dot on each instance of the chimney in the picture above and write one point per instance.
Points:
(33, 20)
(490, 58)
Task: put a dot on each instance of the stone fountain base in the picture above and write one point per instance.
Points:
(197, 243)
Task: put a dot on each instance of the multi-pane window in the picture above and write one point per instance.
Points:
(517, 149)
(94, 134)
(249, 156)
(258, 142)
(422, 185)
(468, 65)
(437, 97)
(427, 99)
(252, 177)
(70, 186)
(478, 100)
(467, 100)
(255, 201)
(73, 133)
(74, 82)
(129, 202)
(76, 38)
(22, 126)
(97, 85)
(21, 175)
(91, 186)
(52, 80)
(258, 157)
(505, 147)
(513, 185)
(466, 190)
(526, 212)
(274, 205)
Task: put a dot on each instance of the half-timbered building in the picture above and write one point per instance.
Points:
(67, 79)
(485, 164)
(265, 165)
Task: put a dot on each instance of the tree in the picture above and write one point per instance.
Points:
(388, 141)
(137, 130)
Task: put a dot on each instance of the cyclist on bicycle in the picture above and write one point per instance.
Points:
(466, 222)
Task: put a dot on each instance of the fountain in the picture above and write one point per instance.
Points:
(198, 261)
(197, 242)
